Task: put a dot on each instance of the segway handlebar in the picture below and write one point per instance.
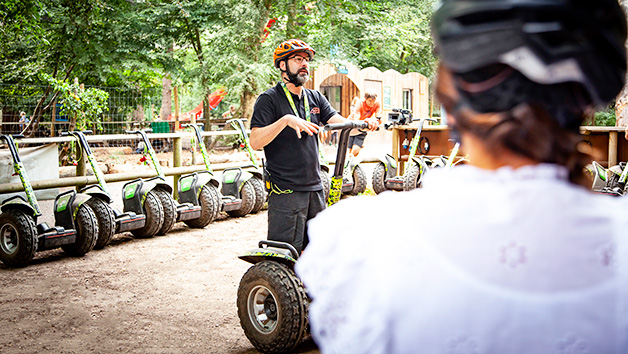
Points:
(192, 125)
(147, 130)
(425, 118)
(345, 125)
(86, 132)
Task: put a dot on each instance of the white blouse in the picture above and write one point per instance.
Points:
(477, 261)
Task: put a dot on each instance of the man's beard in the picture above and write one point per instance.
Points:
(297, 79)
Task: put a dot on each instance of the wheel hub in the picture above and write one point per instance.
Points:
(8, 239)
(262, 309)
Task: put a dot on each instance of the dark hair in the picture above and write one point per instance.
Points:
(526, 129)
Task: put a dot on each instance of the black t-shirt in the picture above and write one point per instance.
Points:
(292, 163)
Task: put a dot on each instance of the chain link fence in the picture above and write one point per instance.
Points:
(128, 109)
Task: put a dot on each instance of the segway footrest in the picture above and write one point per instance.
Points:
(129, 221)
(230, 203)
(187, 211)
(53, 237)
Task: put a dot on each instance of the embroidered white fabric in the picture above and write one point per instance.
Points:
(507, 261)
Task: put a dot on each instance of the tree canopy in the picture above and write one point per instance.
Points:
(203, 44)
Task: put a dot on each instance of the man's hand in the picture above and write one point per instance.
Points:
(626, 135)
(300, 125)
(372, 122)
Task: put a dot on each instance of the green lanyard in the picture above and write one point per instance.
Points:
(294, 108)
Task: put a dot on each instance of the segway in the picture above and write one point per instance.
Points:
(272, 302)
(75, 230)
(143, 214)
(197, 205)
(386, 174)
(258, 176)
(610, 181)
(227, 203)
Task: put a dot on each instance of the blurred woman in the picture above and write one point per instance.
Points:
(509, 254)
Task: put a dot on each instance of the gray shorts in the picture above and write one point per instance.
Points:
(288, 214)
(357, 140)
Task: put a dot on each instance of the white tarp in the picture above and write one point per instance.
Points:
(41, 163)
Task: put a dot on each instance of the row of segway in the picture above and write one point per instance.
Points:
(87, 220)
(388, 176)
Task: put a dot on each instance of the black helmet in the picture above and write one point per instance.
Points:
(547, 43)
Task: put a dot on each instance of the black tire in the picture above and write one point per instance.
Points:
(248, 200)
(326, 184)
(281, 323)
(106, 221)
(359, 181)
(154, 213)
(260, 194)
(86, 232)
(412, 178)
(170, 210)
(379, 178)
(210, 206)
(18, 238)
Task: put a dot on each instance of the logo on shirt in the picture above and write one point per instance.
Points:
(315, 110)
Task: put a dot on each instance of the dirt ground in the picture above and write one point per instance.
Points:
(169, 294)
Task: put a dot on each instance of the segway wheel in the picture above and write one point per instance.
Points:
(379, 178)
(210, 206)
(359, 181)
(326, 183)
(248, 200)
(412, 178)
(260, 194)
(170, 210)
(18, 238)
(273, 307)
(86, 232)
(106, 221)
(154, 213)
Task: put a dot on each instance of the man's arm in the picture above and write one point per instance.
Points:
(261, 137)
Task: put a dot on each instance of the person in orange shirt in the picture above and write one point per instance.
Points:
(368, 108)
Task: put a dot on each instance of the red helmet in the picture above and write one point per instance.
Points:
(289, 47)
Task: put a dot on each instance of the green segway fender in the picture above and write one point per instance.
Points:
(96, 191)
(160, 183)
(191, 185)
(17, 202)
(277, 251)
(254, 171)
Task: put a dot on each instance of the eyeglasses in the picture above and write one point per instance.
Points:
(299, 59)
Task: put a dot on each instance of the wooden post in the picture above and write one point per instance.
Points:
(80, 162)
(176, 161)
(612, 148)
(395, 149)
(54, 118)
(176, 109)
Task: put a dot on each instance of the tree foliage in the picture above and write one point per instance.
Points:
(204, 44)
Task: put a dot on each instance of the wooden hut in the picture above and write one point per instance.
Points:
(340, 84)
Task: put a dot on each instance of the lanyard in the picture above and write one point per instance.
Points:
(294, 108)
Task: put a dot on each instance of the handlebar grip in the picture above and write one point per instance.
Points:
(346, 125)
(65, 133)
(88, 132)
(17, 136)
(148, 130)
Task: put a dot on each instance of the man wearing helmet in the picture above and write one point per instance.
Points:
(285, 122)
(527, 259)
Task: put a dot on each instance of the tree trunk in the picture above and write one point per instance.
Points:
(621, 105)
(166, 98)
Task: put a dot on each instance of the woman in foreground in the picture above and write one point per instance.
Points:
(510, 254)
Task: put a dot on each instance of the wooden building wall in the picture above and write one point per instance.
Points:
(356, 81)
